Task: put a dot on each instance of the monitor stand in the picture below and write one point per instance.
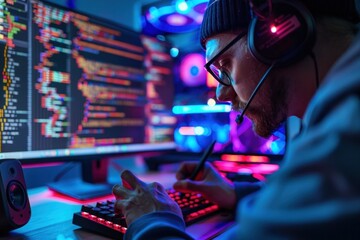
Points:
(92, 185)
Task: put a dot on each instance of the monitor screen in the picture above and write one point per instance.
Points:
(77, 85)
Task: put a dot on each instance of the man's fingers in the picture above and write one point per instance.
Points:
(119, 206)
(186, 186)
(185, 170)
(130, 181)
(120, 192)
(157, 186)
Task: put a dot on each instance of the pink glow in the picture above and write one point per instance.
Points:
(47, 194)
(38, 165)
(235, 167)
(66, 199)
(244, 158)
(259, 177)
(190, 62)
(176, 20)
(187, 131)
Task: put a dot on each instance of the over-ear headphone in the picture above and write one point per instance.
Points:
(283, 37)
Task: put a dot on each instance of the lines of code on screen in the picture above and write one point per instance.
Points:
(14, 42)
(73, 81)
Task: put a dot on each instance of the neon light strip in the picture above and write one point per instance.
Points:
(191, 109)
(194, 131)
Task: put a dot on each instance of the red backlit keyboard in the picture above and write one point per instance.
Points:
(100, 217)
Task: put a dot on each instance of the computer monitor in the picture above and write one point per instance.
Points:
(78, 87)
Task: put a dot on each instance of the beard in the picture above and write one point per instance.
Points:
(273, 108)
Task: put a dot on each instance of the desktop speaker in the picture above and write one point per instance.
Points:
(14, 204)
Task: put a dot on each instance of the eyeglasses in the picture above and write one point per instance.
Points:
(263, 13)
(220, 75)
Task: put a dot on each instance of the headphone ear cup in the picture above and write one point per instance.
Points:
(285, 37)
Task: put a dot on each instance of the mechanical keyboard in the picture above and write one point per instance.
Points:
(100, 217)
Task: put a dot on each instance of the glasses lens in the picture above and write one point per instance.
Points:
(223, 78)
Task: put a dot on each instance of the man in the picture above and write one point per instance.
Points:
(316, 192)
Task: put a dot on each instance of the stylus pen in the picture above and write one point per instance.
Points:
(203, 159)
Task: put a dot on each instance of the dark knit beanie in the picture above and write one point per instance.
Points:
(231, 15)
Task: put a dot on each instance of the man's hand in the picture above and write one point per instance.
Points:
(135, 198)
(208, 182)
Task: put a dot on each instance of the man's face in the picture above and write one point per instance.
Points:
(268, 109)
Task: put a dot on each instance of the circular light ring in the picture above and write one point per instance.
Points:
(192, 71)
(168, 23)
(176, 20)
(168, 19)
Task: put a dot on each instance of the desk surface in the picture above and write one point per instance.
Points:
(51, 219)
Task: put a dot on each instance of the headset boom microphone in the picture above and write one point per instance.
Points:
(239, 118)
